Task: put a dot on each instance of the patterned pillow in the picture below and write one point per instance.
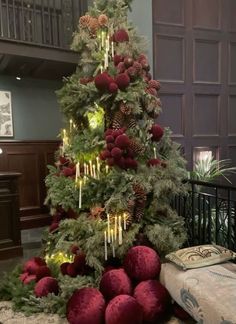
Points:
(200, 256)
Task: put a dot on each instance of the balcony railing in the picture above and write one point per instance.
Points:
(40, 22)
(209, 211)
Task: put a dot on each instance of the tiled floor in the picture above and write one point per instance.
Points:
(31, 242)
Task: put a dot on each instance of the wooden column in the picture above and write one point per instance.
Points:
(10, 235)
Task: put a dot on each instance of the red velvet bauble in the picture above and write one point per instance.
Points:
(74, 249)
(109, 131)
(124, 309)
(29, 278)
(115, 282)
(109, 139)
(152, 91)
(63, 268)
(86, 306)
(117, 59)
(110, 146)
(122, 141)
(154, 299)
(71, 270)
(121, 36)
(180, 313)
(113, 87)
(132, 72)
(130, 163)
(142, 263)
(116, 152)
(157, 132)
(105, 154)
(142, 57)
(80, 261)
(137, 66)
(122, 80)
(68, 172)
(117, 132)
(33, 264)
(154, 162)
(128, 60)
(46, 286)
(154, 84)
(121, 163)
(121, 67)
(42, 272)
(110, 161)
(102, 81)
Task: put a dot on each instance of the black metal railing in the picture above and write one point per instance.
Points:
(40, 22)
(209, 211)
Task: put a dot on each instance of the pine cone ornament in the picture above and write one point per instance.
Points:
(136, 147)
(103, 20)
(139, 211)
(140, 200)
(131, 122)
(125, 109)
(140, 193)
(118, 120)
(93, 25)
(84, 21)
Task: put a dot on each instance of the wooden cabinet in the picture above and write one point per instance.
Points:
(10, 235)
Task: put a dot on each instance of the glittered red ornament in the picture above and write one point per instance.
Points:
(152, 91)
(115, 282)
(122, 141)
(42, 272)
(71, 270)
(123, 309)
(105, 154)
(46, 286)
(154, 299)
(117, 132)
(86, 306)
(116, 152)
(154, 84)
(121, 162)
(63, 268)
(121, 67)
(117, 59)
(110, 161)
(29, 278)
(142, 263)
(102, 81)
(137, 66)
(132, 72)
(32, 265)
(110, 146)
(122, 80)
(142, 57)
(80, 261)
(128, 61)
(154, 162)
(121, 36)
(68, 172)
(113, 87)
(109, 139)
(109, 131)
(157, 132)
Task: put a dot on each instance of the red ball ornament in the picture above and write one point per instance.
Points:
(86, 306)
(154, 84)
(68, 172)
(80, 261)
(109, 131)
(117, 59)
(102, 81)
(115, 282)
(122, 141)
(123, 309)
(71, 270)
(132, 72)
(151, 91)
(32, 265)
(142, 263)
(154, 299)
(121, 162)
(121, 36)
(116, 152)
(137, 66)
(157, 132)
(122, 80)
(121, 67)
(46, 286)
(63, 268)
(113, 87)
(74, 249)
(117, 132)
(42, 272)
(110, 161)
(128, 60)
(142, 57)
(105, 155)
(154, 162)
(110, 146)
(29, 278)
(130, 163)
(109, 139)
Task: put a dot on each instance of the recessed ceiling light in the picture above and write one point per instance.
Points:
(0, 150)
(18, 78)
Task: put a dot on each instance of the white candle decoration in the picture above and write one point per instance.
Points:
(80, 194)
(105, 242)
(112, 242)
(112, 49)
(85, 169)
(71, 125)
(108, 229)
(91, 168)
(125, 221)
(120, 235)
(77, 171)
(107, 169)
(155, 152)
(94, 171)
(103, 39)
(115, 228)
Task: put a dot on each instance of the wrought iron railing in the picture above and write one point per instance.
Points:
(209, 211)
(40, 22)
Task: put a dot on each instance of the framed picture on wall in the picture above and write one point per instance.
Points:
(6, 124)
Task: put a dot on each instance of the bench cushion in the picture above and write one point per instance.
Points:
(208, 294)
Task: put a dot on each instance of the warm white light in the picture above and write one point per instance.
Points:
(0, 150)
(18, 78)
(205, 155)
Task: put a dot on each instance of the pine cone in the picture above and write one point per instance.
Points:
(103, 20)
(125, 109)
(140, 193)
(84, 21)
(131, 122)
(136, 147)
(118, 120)
(139, 211)
(93, 25)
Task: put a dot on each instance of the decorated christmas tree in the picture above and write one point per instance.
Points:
(110, 190)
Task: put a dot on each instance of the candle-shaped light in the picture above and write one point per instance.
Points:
(85, 169)
(115, 234)
(108, 44)
(77, 174)
(125, 217)
(107, 169)
(120, 231)
(112, 243)
(80, 193)
(71, 125)
(91, 168)
(105, 243)
(108, 229)
(103, 39)
(112, 49)
(94, 171)
(155, 152)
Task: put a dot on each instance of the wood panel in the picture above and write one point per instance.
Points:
(31, 160)
(206, 30)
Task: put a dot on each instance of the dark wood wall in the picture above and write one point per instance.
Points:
(30, 158)
(195, 60)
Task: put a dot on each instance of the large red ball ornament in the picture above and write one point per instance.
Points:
(157, 132)
(122, 80)
(122, 141)
(121, 36)
(142, 263)
(124, 309)
(46, 286)
(102, 81)
(86, 306)
(154, 300)
(116, 152)
(32, 265)
(115, 282)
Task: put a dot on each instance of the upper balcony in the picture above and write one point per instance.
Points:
(35, 37)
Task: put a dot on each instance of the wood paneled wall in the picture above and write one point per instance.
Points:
(195, 60)
(30, 158)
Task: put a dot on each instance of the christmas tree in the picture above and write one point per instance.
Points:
(114, 178)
